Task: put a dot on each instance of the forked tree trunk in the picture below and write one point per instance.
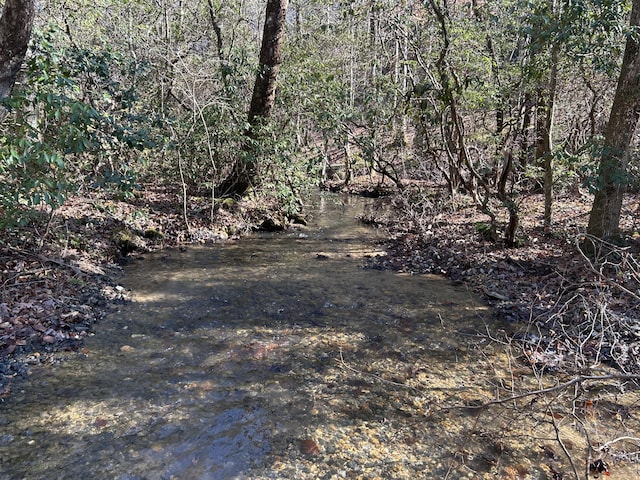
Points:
(245, 171)
(15, 31)
(604, 218)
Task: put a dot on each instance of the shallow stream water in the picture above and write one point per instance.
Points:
(281, 356)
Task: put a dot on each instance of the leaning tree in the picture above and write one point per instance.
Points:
(244, 171)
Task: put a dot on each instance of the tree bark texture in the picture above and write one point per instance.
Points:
(604, 219)
(244, 172)
(264, 89)
(15, 30)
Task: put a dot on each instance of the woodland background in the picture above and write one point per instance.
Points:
(500, 133)
(492, 100)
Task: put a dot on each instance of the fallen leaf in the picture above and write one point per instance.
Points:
(100, 422)
(555, 414)
(49, 303)
(309, 447)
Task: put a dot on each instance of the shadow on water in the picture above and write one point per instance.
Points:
(230, 355)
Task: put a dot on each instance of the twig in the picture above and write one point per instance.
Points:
(619, 439)
(561, 386)
(60, 263)
(593, 268)
(561, 443)
(587, 438)
(43, 259)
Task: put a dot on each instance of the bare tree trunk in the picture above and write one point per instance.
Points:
(244, 172)
(526, 107)
(351, 104)
(264, 90)
(215, 24)
(545, 105)
(547, 159)
(15, 31)
(604, 219)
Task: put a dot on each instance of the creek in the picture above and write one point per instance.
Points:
(281, 356)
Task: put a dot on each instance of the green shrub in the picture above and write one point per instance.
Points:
(72, 121)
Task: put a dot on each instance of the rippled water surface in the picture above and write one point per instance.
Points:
(230, 357)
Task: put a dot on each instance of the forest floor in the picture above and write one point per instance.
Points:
(579, 311)
(60, 278)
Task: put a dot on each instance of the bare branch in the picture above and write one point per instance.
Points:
(561, 386)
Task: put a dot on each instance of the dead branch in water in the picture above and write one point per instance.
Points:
(576, 380)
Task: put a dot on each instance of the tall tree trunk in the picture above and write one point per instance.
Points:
(547, 137)
(215, 24)
(244, 173)
(604, 219)
(15, 31)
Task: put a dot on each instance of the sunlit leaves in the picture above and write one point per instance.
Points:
(587, 30)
